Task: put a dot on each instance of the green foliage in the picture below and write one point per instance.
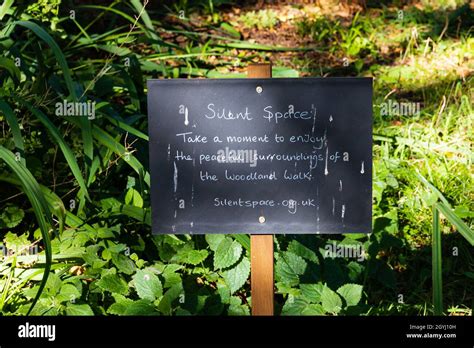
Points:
(319, 299)
(81, 244)
(11, 216)
(260, 19)
(147, 285)
(237, 276)
(354, 41)
(227, 253)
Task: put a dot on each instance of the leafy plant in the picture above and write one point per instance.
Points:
(80, 244)
(262, 19)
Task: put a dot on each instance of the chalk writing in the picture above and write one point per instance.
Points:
(295, 158)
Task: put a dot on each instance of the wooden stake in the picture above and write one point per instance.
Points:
(261, 246)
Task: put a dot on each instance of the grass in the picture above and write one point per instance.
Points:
(43, 218)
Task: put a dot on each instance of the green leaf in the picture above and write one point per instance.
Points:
(224, 292)
(116, 121)
(281, 71)
(299, 249)
(289, 267)
(195, 257)
(463, 212)
(16, 243)
(78, 309)
(69, 293)
(462, 228)
(107, 140)
(214, 240)
(237, 276)
(191, 256)
(140, 307)
(313, 309)
(437, 261)
(113, 283)
(53, 285)
(104, 233)
(148, 285)
(115, 50)
(83, 121)
(312, 292)
(123, 263)
(351, 293)
(57, 136)
(149, 27)
(172, 294)
(230, 29)
(42, 212)
(331, 301)
(171, 277)
(237, 308)
(243, 239)
(5, 7)
(119, 307)
(469, 274)
(14, 125)
(140, 214)
(228, 253)
(293, 306)
(133, 198)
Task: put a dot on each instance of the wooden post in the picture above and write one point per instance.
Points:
(261, 246)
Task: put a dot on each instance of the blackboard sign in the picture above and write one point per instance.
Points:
(261, 156)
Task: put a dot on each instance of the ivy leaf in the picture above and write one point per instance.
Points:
(113, 283)
(237, 276)
(78, 309)
(123, 263)
(331, 301)
(289, 267)
(351, 293)
(148, 285)
(227, 253)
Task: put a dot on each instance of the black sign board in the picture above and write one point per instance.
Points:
(261, 156)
